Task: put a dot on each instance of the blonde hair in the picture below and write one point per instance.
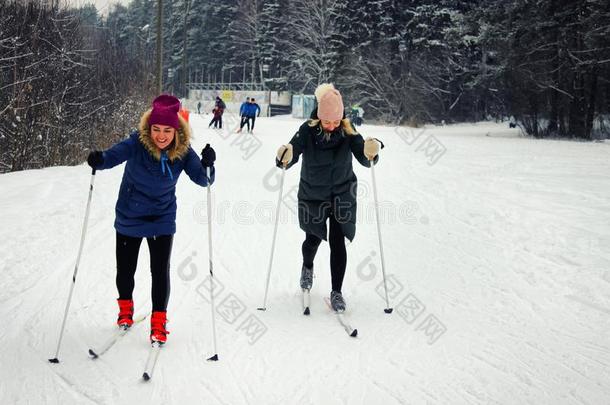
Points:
(345, 124)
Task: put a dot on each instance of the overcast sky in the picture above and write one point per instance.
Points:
(101, 5)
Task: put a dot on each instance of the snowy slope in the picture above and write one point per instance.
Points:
(497, 249)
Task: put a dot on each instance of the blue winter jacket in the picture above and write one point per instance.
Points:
(252, 110)
(243, 109)
(146, 205)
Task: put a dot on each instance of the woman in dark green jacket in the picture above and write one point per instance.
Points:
(328, 185)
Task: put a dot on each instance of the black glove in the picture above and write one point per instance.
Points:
(95, 159)
(208, 156)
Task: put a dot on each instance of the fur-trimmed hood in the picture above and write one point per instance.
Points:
(179, 146)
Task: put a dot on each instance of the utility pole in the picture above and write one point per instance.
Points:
(184, 46)
(159, 46)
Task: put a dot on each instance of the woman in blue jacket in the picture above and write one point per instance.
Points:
(156, 154)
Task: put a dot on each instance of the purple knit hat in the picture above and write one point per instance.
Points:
(165, 111)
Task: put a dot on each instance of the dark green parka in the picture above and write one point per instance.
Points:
(328, 183)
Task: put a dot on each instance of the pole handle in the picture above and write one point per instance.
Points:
(382, 146)
(379, 140)
(282, 157)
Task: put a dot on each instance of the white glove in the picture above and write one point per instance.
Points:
(287, 158)
(371, 148)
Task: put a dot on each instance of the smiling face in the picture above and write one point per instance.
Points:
(162, 135)
(330, 126)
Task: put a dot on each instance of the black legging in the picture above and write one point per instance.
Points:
(244, 121)
(217, 121)
(252, 124)
(127, 249)
(338, 254)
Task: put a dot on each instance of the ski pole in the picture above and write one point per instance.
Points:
(277, 219)
(80, 251)
(215, 356)
(387, 310)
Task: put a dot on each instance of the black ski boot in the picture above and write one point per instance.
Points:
(306, 278)
(336, 301)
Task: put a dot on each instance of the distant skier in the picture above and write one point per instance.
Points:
(253, 110)
(357, 114)
(156, 154)
(217, 118)
(243, 113)
(219, 109)
(512, 122)
(199, 108)
(328, 185)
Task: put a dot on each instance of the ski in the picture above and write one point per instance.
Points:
(352, 332)
(151, 361)
(117, 334)
(306, 301)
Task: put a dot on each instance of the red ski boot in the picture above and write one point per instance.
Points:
(158, 333)
(125, 313)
